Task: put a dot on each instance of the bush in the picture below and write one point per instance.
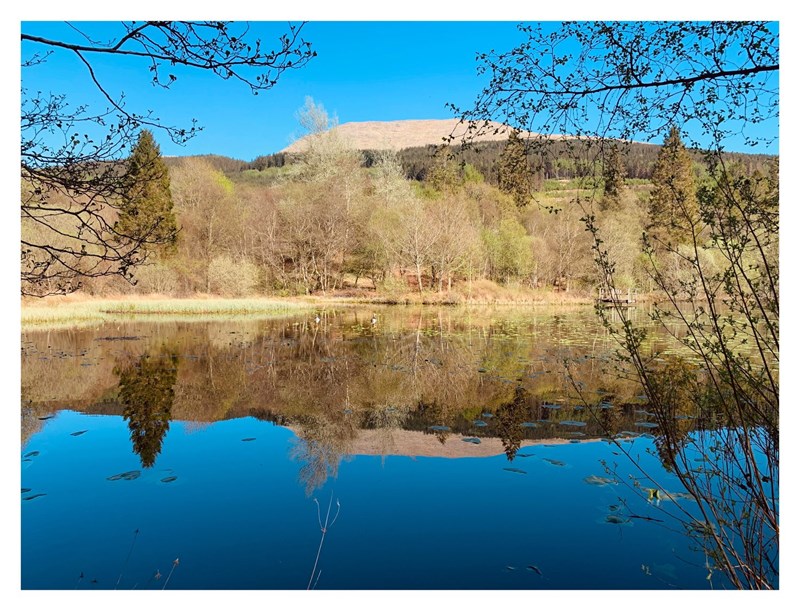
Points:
(227, 276)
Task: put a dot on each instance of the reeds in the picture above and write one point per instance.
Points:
(54, 314)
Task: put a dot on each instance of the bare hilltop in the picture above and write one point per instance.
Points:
(397, 135)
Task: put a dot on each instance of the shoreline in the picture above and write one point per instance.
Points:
(76, 309)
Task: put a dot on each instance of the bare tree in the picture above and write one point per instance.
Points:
(72, 178)
(716, 83)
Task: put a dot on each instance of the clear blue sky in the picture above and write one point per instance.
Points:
(364, 71)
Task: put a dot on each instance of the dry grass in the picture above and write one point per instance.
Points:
(478, 292)
(76, 309)
(396, 135)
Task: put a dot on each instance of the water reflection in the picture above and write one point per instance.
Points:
(417, 384)
(146, 389)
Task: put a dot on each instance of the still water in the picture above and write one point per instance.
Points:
(427, 449)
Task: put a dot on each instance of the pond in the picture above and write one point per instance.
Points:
(396, 448)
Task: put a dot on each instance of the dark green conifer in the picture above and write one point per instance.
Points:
(146, 214)
(514, 172)
(673, 200)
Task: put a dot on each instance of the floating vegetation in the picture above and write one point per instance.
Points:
(605, 405)
(46, 417)
(24, 490)
(525, 455)
(596, 480)
(474, 440)
(78, 433)
(534, 568)
(572, 423)
(515, 470)
(678, 496)
(577, 434)
(127, 476)
(574, 440)
(613, 507)
(551, 406)
(555, 462)
(249, 439)
(479, 423)
(169, 479)
(646, 425)
(487, 415)
(439, 427)
(530, 425)
(33, 496)
(653, 494)
(30, 454)
(511, 568)
(615, 519)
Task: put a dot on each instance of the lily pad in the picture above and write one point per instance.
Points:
(439, 427)
(474, 440)
(127, 476)
(596, 480)
(555, 462)
(487, 415)
(530, 425)
(479, 423)
(249, 439)
(33, 496)
(572, 423)
(515, 470)
(647, 425)
(169, 479)
(29, 454)
(78, 433)
(615, 519)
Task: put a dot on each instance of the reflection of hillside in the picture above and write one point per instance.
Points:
(414, 369)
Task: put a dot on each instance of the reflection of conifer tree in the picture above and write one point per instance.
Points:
(510, 417)
(610, 419)
(146, 389)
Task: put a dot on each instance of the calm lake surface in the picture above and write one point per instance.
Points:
(443, 449)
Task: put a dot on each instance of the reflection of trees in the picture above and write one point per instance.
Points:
(321, 443)
(147, 390)
(509, 417)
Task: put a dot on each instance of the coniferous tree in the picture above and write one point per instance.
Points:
(613, 179)
(514, 173)
(673, 200)
(146, 214)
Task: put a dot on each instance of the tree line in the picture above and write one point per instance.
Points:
(335, 218)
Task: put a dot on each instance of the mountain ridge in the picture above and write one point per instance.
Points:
(402, 134)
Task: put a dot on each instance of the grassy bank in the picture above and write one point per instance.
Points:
(77, 309)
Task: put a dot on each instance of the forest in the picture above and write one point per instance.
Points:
(451, 224)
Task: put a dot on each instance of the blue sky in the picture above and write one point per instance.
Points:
(364, 71)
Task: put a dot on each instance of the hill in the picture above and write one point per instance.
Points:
(398, 135)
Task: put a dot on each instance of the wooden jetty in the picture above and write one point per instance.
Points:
(616, 296)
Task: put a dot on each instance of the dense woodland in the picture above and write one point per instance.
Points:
(458, 222)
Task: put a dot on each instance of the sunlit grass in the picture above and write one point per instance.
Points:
(60, 313)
